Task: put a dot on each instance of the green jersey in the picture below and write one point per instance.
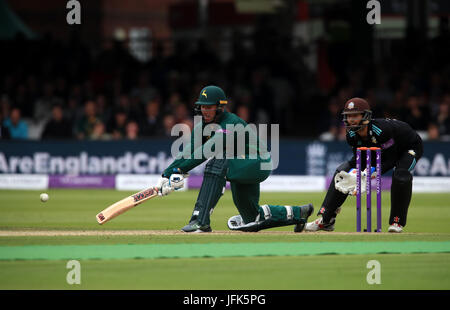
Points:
(231, 138)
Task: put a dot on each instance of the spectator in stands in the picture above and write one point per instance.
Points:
(23, 101)
(181, 113)
(443, 117)
(342, 135)
(99, 132)
(132, 130)
(5, 107)
(43, 106)
(383, 94)
(33, 89)
(188, 122)
(396, 109)
(144, 90)
(331, 123)
(57, 127)
(435, 91)
(123, 103)
(168, 123)
(416, 115)
(173, 101)
(151, 124)
(76, 95)
(17, 127)
(432, 132)
(85, 125)
(242, 97)
(243, 112)
(72, 110)
(118, 123)
(129, 105)
(103, 111)
(61, 88)
(4, 131)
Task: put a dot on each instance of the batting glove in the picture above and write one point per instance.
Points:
(164, 187)
(176, 181)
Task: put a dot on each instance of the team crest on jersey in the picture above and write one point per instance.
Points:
(351, 105)
(374, 141)
(412, 152)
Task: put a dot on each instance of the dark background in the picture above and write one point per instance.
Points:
(289, 62)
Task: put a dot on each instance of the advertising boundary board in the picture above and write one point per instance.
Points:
(134, 182)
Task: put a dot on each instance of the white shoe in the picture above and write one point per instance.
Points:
(395, 228)
(318, 225)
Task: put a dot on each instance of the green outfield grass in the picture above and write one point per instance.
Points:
(415, 271)
(75, 210)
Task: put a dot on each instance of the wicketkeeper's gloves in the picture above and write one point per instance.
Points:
(345, 182)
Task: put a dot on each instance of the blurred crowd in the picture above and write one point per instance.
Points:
(56, 91)
(64, 90)
(426, 111)
(411, 84)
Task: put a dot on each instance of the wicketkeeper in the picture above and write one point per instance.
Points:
(244, 171)
(401, 148)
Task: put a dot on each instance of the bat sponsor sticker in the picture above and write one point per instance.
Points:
(144, 194)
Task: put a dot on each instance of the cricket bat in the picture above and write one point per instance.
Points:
(126, 204)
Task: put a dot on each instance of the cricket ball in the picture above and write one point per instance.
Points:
(44, 197)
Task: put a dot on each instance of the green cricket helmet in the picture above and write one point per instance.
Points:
(357, 106)
(211, 95)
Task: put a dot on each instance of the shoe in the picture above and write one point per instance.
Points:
(395, 228)
(237, 223)
(319, 225)
(194, 226)
(305, 212)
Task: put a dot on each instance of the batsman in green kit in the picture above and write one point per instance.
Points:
(236, 154)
